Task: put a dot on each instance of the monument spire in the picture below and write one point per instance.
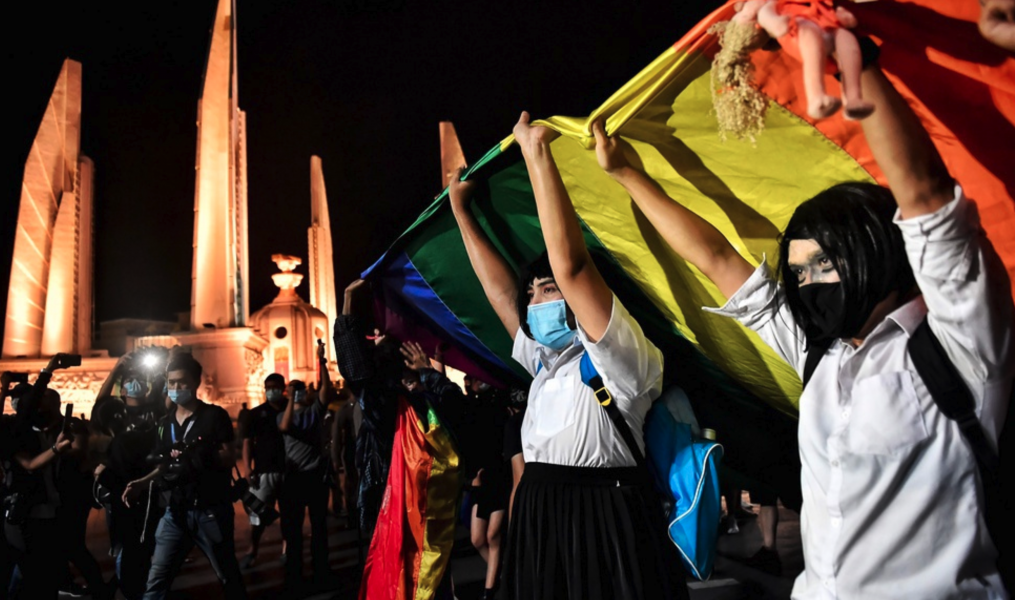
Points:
(220, 291)
(322, 265)
(49, 298)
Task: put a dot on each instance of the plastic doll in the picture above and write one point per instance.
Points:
(808, 30)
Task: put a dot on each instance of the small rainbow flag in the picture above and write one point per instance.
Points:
(415, 531)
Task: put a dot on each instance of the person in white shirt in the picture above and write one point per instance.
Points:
(585, 522)
(892, 499)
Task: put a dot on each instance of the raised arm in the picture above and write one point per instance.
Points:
(34, 463)
(573, 270)
(498, 279)
(114, 376)
(285, 420)
(324, 381)
(902, 148)
(694, 239)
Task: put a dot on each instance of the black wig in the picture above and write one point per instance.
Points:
(852, 222)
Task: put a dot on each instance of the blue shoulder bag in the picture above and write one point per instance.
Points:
(685, 469)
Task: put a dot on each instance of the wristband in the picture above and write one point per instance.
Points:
(53, 448)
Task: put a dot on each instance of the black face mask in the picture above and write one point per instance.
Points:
(826, 304)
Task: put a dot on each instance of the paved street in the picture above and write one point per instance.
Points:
(730, 581)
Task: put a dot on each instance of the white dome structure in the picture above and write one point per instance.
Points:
(291, 326)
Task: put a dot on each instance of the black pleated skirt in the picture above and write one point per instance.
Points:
(589, 534)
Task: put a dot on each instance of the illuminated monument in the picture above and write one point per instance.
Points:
(322, 264)
(219, 293)
(220, 339)
(50, 293)
(49, 296)
(49, 299)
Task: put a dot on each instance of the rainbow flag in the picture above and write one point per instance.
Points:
(961, 87)
(415, 531)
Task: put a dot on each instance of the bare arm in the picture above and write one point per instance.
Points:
(134, 488)
(694, 239)
(337, 442)
(248, 459)
(325, 377)
(573, 270)
(517, 469)
(287, 416)
(40, 460)
(114, 375)
(498, 279)
(902, 148)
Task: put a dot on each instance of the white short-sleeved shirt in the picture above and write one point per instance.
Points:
(564, 423)
(889, 484)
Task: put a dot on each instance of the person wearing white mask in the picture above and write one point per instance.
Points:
(200, 508)
(264, 459)
(584, 522)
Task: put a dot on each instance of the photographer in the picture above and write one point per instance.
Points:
(133, 529)
(264, 458)
(305, 486)
(194, 455)
(74, 487)
(36, 443)
(7, 450)
(135, 372)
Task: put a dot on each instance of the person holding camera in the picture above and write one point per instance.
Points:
(264, 459)
(31, 498)
(133, 372)
(8, 448)
(195, 456)
(305, 487)
(132, 527)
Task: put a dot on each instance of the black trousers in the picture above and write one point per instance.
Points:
(589, 534)
(39, 557)
(304, 492)
(135, 554)
(72, 519)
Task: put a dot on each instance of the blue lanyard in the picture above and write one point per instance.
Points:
(173, 426)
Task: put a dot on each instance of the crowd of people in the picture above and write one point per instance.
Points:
(893, 500)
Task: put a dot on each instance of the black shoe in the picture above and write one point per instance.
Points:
(765, 560)
(728, 526)
(247, 561)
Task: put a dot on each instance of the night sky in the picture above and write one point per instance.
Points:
(361, 83)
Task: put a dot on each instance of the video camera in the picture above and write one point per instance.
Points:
(177, 470)
(254, 505)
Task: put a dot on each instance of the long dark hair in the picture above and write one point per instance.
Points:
(852, 222)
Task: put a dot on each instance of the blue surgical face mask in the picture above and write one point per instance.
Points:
(548, 324)
(181, 396)
(273, 395)
(133, 389)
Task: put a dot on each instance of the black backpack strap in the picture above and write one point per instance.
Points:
(952, 397)
(592, 379)
(816, 350)
(955, 401)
